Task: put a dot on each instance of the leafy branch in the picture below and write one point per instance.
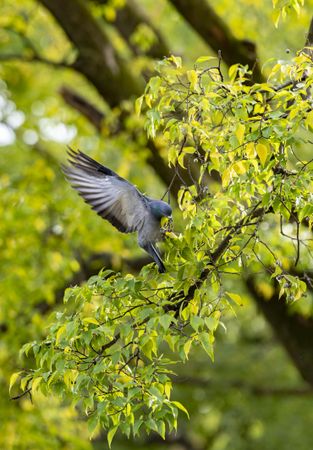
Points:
(113, 344)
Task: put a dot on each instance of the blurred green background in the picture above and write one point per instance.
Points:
(252, 397)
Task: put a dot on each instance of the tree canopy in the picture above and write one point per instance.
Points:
(198, 107)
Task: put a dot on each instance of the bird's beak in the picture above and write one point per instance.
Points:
(167, 223)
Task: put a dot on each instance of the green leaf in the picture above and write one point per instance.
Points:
(276, 17)
(211, 323)
(235, 297)
(180, 160)
(161, 429)
(181, 407)
(305, 212)
(149, 347)
(192, 78)
(240, 133)
(203, 59)
(93, 423)
(207, 344)
(165, 321)
(167, 389)
(138, 105)
(196, 322)
(187, 347)
(26, 347)
(111, 434)
(14, 377)
(262, 151)
(232, 71)
(91, 320)
(154, 117)
(176, 60)
(59, 334)
(35, 383)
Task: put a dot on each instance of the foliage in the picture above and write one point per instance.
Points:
(47, 237)
(107, 350)
(283, 7)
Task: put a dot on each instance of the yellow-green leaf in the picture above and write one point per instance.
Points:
(207, 340)
(111, 435)
(240, 167)
(240, 132)
(250, 150)
(181, 407)
(59, 334)
(35, 383)
(91, 320)
(189, 150)
(276, 17)
(187, 346)
(167, 389)
(13, 379)
(192, 77)
(232, 71)
(235, 297)
(138, 105)
(180, 160)
(202, 59)
(262, 151)
(226, 177)
(70, 377)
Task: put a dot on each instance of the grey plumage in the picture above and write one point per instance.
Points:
(118, 201)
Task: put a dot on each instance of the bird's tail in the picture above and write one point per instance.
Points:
(151, 249)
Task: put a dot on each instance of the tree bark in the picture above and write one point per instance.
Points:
(97, 59)
(128, 18)
(294, 331)
(218, 36)
(309, 42)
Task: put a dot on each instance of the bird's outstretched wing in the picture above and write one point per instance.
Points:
(112, 197)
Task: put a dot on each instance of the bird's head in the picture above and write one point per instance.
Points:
(160, 209)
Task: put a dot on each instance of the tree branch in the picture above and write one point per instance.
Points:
(91, 266)
(309, 41)
(218, 36)
(34, 58)
(180, 298)
(97, 59)
(128, 19)
(101, 65)
(87, 109)
(294, 331)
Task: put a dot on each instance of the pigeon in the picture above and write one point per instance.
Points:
(118, 201)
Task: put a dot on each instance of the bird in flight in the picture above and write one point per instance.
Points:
(118, 201)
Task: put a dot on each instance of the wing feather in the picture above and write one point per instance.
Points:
(112, 197)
